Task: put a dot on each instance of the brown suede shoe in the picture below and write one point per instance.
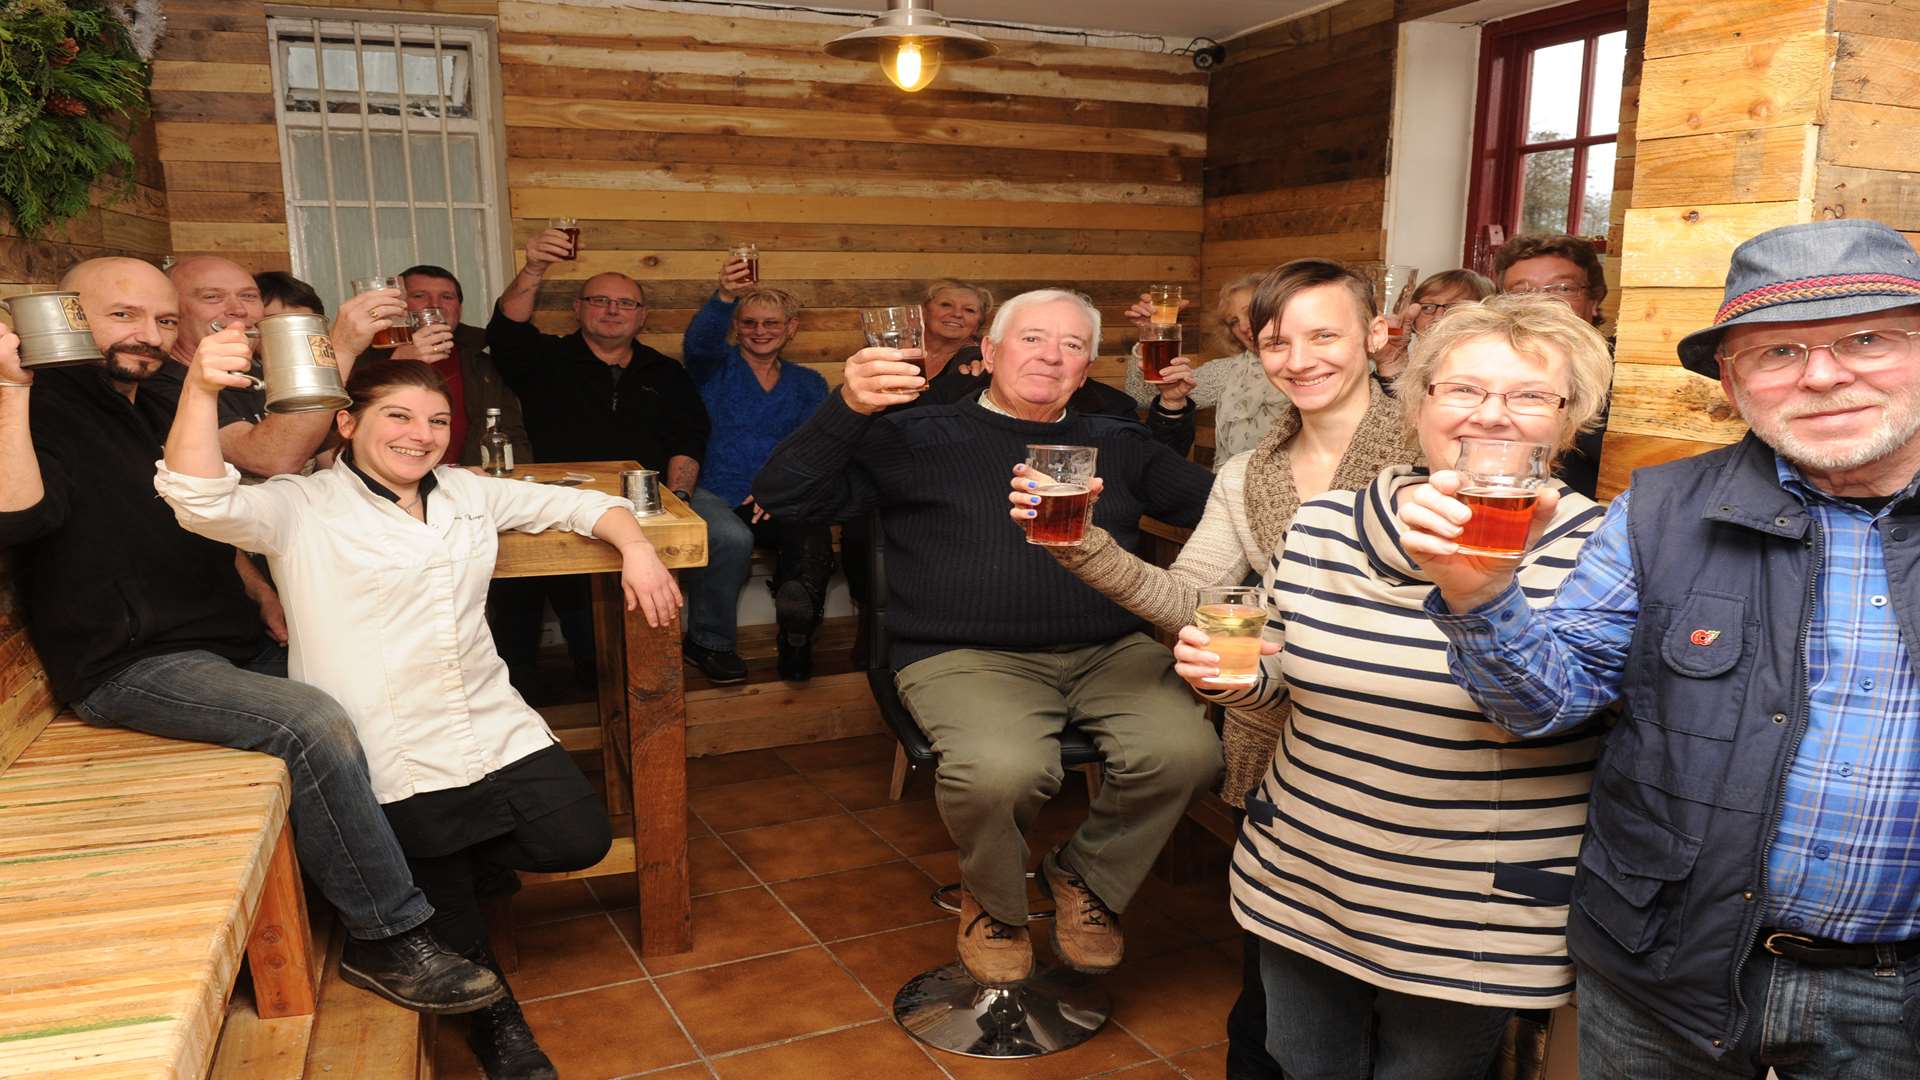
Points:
(1086, 932)
(995, 953)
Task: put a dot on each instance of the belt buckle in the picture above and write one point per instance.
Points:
(1767, 942)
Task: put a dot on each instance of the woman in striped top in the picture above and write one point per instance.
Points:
(1405, 861)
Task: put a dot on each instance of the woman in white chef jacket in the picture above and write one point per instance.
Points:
(382, 563)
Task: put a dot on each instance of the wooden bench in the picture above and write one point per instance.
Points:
(133, 873)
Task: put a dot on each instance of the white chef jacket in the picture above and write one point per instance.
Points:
(387, 613)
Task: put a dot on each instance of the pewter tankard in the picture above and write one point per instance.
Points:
(296, 354)
(53, 330)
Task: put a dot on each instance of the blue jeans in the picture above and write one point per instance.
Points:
(339, 831)
(713, 590)
(1807, 1022)
(1324, 1024)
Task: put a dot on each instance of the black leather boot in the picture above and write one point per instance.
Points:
(504, 1044)
(798, 614)
(414, 971)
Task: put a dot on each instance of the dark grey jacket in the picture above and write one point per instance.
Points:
(1671, 888)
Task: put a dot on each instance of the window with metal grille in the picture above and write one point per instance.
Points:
(387, 151)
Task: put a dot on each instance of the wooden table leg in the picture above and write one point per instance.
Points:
(610, 661)
(279, 948)
(657, 717)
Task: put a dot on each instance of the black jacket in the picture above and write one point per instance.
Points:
(108, 576)
(579, 408)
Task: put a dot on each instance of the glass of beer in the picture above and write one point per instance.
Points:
(1499, 482)
(1064, 475)
(1393, 290)
(750, 251)
(1166, 304)
(398, 329)
(900, 327)
(1232, 618)
(571, 227)
(1159, 346)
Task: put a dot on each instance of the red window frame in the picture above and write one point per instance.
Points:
(1499, 130)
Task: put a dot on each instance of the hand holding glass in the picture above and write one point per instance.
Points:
(1232, 617)
(1065, 489)
(1166, 304)
(571, 227)
(1499, 482)
(900, 327)
(399, 329)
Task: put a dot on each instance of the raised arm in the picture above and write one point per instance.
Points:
(704, 348)
(543, 250)
(204, 491)
(20, 486)
(194, 443)
(816, 476)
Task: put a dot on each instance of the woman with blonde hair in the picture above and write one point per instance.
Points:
(1436, 295)
(1405, 862)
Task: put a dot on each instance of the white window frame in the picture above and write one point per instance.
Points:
(380, 30)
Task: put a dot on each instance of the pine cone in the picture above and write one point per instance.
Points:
(66, 105)
(69, 49)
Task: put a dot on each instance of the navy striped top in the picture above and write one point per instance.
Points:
(1399, 836)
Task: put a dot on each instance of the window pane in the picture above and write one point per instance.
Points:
(316, 253)
(376, 63)
(429, 184)
(309, 166)
(1609, 67)
(349, 167)
(1553, 92)
(389, 169)
(1547, 188)
(396, 239)
(462, 152)
(1597, 200)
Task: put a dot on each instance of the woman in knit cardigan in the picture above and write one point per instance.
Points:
(1405, 861)
(1317, 327)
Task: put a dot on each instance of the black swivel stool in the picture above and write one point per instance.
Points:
(945, 1008)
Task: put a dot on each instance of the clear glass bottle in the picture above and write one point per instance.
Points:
(496, 450)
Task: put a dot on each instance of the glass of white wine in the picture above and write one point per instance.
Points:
(1232, 617)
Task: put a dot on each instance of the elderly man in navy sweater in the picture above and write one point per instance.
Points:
(732, 350)
(997, 648)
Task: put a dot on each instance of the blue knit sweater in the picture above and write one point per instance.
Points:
(748, 422)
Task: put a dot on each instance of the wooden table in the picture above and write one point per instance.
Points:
(643, 703)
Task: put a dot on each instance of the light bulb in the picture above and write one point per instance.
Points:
(912, 64)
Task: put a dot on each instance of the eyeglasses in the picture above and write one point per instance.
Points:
(1861, 350)
(1438, 309)
(1558, 290)
(617, 303)
(1458, 395)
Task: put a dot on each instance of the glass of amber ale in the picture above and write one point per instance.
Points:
(1065, 478)
(1159, 346)
(1232, 618)
(899, 327)
(397, 330)
(1499, 482)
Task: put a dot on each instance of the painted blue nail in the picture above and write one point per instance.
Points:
(1031, 485)
(1034, 500)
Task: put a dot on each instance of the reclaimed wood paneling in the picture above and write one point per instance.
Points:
(135, 225)
(669, 135)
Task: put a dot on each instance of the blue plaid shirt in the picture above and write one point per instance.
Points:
(1845, 863)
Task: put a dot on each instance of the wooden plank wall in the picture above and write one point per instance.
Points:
(1753, 114)
(669, 134)
(1297, 142)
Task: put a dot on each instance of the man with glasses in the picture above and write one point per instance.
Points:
(1567, 269)
(1748, 894)
(756, 399)
(595, 394)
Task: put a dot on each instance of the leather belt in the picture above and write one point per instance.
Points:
(1883, 957)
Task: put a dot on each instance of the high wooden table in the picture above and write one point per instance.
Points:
(643, 702)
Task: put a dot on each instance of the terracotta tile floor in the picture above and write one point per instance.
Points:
(810, 910)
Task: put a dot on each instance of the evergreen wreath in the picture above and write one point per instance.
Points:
(71, 83)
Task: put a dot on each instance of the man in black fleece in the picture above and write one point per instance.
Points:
(996, 647)
(143, 625)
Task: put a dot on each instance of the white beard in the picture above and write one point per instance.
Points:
(1899, 423)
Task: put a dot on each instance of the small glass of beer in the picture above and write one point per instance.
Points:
(398, 329)
(1393, 291)
(571, 227)
(1232, 618)
(899, 327)
(1499, 482)
(1166, 304)
(1159, 346)
(1064, 475)
(750, 251)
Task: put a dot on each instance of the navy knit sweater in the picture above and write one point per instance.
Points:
(960, 573)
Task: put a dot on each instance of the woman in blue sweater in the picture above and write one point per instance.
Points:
(755, 399)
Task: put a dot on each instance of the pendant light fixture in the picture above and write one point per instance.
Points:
(910, 41)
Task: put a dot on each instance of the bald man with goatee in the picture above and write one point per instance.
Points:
(143, 625)
(257, 442)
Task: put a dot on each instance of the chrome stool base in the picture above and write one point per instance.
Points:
(1054, 1010)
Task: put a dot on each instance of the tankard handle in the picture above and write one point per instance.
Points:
(258, 383)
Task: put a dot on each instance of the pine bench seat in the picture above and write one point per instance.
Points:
(134, 871)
